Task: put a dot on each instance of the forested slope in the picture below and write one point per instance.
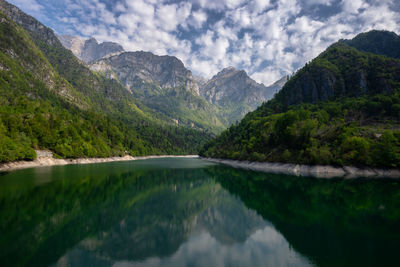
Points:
(342, 108)
(75, 113)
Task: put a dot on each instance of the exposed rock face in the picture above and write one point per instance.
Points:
(30, 24)
(73, 43)
(231, 86)
(89, 50)
(200, 81)
(276, 86)
(92, 50)
(139, 69)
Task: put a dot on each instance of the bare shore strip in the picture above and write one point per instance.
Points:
(318, 171)
(48, 160)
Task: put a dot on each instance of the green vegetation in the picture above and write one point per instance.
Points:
(75, 113)
(340, 71)
(377, 42)
(183, 106)
(349, 131)
(343, 108)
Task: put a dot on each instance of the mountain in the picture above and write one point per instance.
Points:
(140, 71)
(342, 108)
(341, 71)
(164, 84)
(236, 93)
(73, 43)
(149, 77)
(51, 100)
(201, 81)
(377, 42)
(89, 50)
(277, 85)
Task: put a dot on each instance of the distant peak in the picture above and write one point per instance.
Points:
(92, 40)
(229, 69)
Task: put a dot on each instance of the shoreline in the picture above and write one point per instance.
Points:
(50, 161)
(318, 171)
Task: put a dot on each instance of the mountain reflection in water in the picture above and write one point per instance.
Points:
(187, 212)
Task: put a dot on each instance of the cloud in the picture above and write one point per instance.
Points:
(29, 6)
(353, 6)
(198, 19)
(265, 247)
(266, 38)
(318, 2)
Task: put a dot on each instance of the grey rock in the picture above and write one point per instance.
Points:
(236, 92)
(319, 171)
(73, 43)
(139, 69)
(232, 86)
(29, 23)
(89, 50)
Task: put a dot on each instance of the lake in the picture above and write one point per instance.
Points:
(188, 212)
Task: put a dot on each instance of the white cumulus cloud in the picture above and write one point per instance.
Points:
(266, 38)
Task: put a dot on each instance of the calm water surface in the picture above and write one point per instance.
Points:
(187, 212)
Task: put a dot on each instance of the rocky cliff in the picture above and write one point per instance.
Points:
(232, 86)
(89, 50)
(237, 93)
(73, 43)
(36, 29)
(144, 70)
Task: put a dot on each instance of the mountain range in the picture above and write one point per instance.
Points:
(81, 98)
(231, 93)
(163, 84)
(52, 100)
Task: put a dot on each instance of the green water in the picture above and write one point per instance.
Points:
(187, 212)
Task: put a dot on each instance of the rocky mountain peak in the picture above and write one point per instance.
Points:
(73, 43)
(234, 89)
(139, 69)
(91, 40)
(229, 69)
(232, 85)
(89, 50)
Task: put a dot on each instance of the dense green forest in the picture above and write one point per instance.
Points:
(343, 108)
(76, 114)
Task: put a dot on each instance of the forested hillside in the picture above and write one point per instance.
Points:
(70, 110)
(342, 108)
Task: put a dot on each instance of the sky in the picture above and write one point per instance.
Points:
(266, 38)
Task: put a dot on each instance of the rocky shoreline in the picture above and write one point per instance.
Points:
(318, 171)
(45, 159)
